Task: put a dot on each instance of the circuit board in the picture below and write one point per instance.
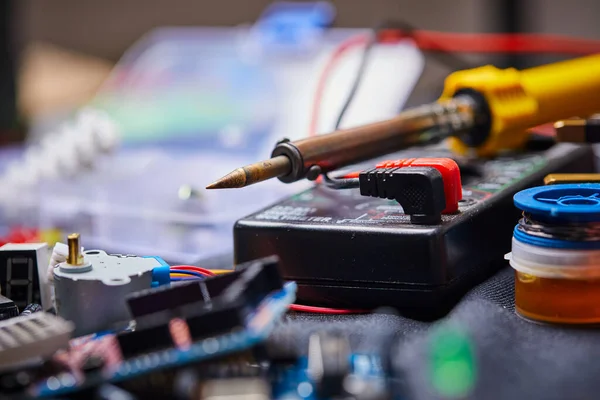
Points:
(258, 326)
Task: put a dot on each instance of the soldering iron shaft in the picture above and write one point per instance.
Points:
(307, 158)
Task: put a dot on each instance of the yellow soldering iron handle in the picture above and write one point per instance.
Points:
(519, 100)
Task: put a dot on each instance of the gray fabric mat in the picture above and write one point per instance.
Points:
(516, 359)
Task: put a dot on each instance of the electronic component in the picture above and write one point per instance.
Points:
(555, 253)
(474, 111)
(448, 169)
(451, 354)
(151, 333)
(8, 309)
(256, 279)
(578, 130)
(235, 389)
(255, 330)
(348, 251)
(216, 305)
(90, 288)
(249, 283)
(23, 273)
(328, 363)
(31, 308)
(15, 381)
(32, 336)
(365, 379)
(220, 318)
(112, 392)
(419, 190)
(150, 301)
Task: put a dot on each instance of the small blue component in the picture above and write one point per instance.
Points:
(292, 23)
(293, 382)
(561, 203)
(554, 243)
(161, 275)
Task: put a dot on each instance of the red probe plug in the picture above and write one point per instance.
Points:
(446, 166)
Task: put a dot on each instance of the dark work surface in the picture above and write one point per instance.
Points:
(515, 358)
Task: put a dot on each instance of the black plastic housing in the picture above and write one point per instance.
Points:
(163, 298)
(8, 308)
(152, 333)
(345, 250)
(222, 318)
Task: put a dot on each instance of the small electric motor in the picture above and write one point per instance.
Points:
(90, 287)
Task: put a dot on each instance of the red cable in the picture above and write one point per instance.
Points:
(457, 42)
(495, 42)
(331, 63)
(193, 268)
(324, 310)
(293, 307)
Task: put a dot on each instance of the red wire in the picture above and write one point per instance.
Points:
(193, 268)
(331, 63)
(456, 42)
(495, 42)
(324, 310)
(446, 42)
(293, 307)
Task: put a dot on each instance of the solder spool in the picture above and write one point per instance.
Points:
(556, 254)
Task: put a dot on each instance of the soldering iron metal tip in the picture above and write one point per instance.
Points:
(253, 173)
(234, 179)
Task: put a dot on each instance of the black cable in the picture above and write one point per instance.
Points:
(344, 183)
(360, 73)
(446, 58)
(340, 183)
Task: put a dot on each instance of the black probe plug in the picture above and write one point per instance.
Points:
(419, 190)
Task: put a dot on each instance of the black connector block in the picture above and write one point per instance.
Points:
(257, 279)
(223, 317)
(8, 308)
(151, 333)
(210, 307)
(163, 298)
(419, 190)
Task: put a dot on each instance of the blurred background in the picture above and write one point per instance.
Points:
(114, 115)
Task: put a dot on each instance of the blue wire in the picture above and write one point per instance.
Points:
(194, 273)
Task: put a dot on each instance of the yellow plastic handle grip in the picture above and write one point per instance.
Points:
(519, 100)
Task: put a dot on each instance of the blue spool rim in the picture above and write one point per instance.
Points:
(561, 203)
(553, 243)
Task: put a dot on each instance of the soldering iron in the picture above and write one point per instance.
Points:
(485, 110)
